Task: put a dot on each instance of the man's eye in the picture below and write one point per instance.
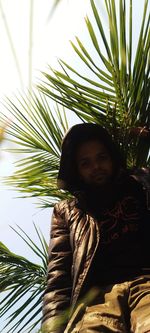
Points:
(102, 157)
(84, 164)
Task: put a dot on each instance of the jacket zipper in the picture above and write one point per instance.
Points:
(90, 261)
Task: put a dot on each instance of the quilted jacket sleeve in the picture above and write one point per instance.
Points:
(58, 291)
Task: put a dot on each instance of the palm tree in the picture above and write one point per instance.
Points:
(115, 94)
(20, 277)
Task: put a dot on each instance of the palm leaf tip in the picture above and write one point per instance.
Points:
(24, 284)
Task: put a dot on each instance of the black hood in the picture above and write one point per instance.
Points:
(67, 177)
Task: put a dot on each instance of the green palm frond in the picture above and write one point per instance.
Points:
(37, 133)
(116, 93)
(22, 283)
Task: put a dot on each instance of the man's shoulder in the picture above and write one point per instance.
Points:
(66, 209)
(142, 176)
(66, 204)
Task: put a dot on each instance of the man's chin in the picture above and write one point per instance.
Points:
(100, 183)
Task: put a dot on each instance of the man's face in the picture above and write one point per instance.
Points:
(94, 163)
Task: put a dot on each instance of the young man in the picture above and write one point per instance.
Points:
(99, 241)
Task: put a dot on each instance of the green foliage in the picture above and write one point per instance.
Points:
(20, 277)
(117, 96)
(37, 133)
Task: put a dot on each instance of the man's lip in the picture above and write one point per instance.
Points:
(99, 175)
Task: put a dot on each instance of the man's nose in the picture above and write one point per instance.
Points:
(95, 165)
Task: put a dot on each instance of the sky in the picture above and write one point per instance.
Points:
(50, 40)
(18, 70)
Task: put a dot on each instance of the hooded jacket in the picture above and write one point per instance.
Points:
(75, 231)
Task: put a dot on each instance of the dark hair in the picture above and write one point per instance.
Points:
(78, 134)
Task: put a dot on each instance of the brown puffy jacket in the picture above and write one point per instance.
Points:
(74, 240)
(72, 231)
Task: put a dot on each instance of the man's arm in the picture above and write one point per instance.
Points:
(58, 291)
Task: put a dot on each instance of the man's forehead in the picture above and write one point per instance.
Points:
(91, 147)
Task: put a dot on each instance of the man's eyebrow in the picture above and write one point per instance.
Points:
(103, 153)
(83, 158)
